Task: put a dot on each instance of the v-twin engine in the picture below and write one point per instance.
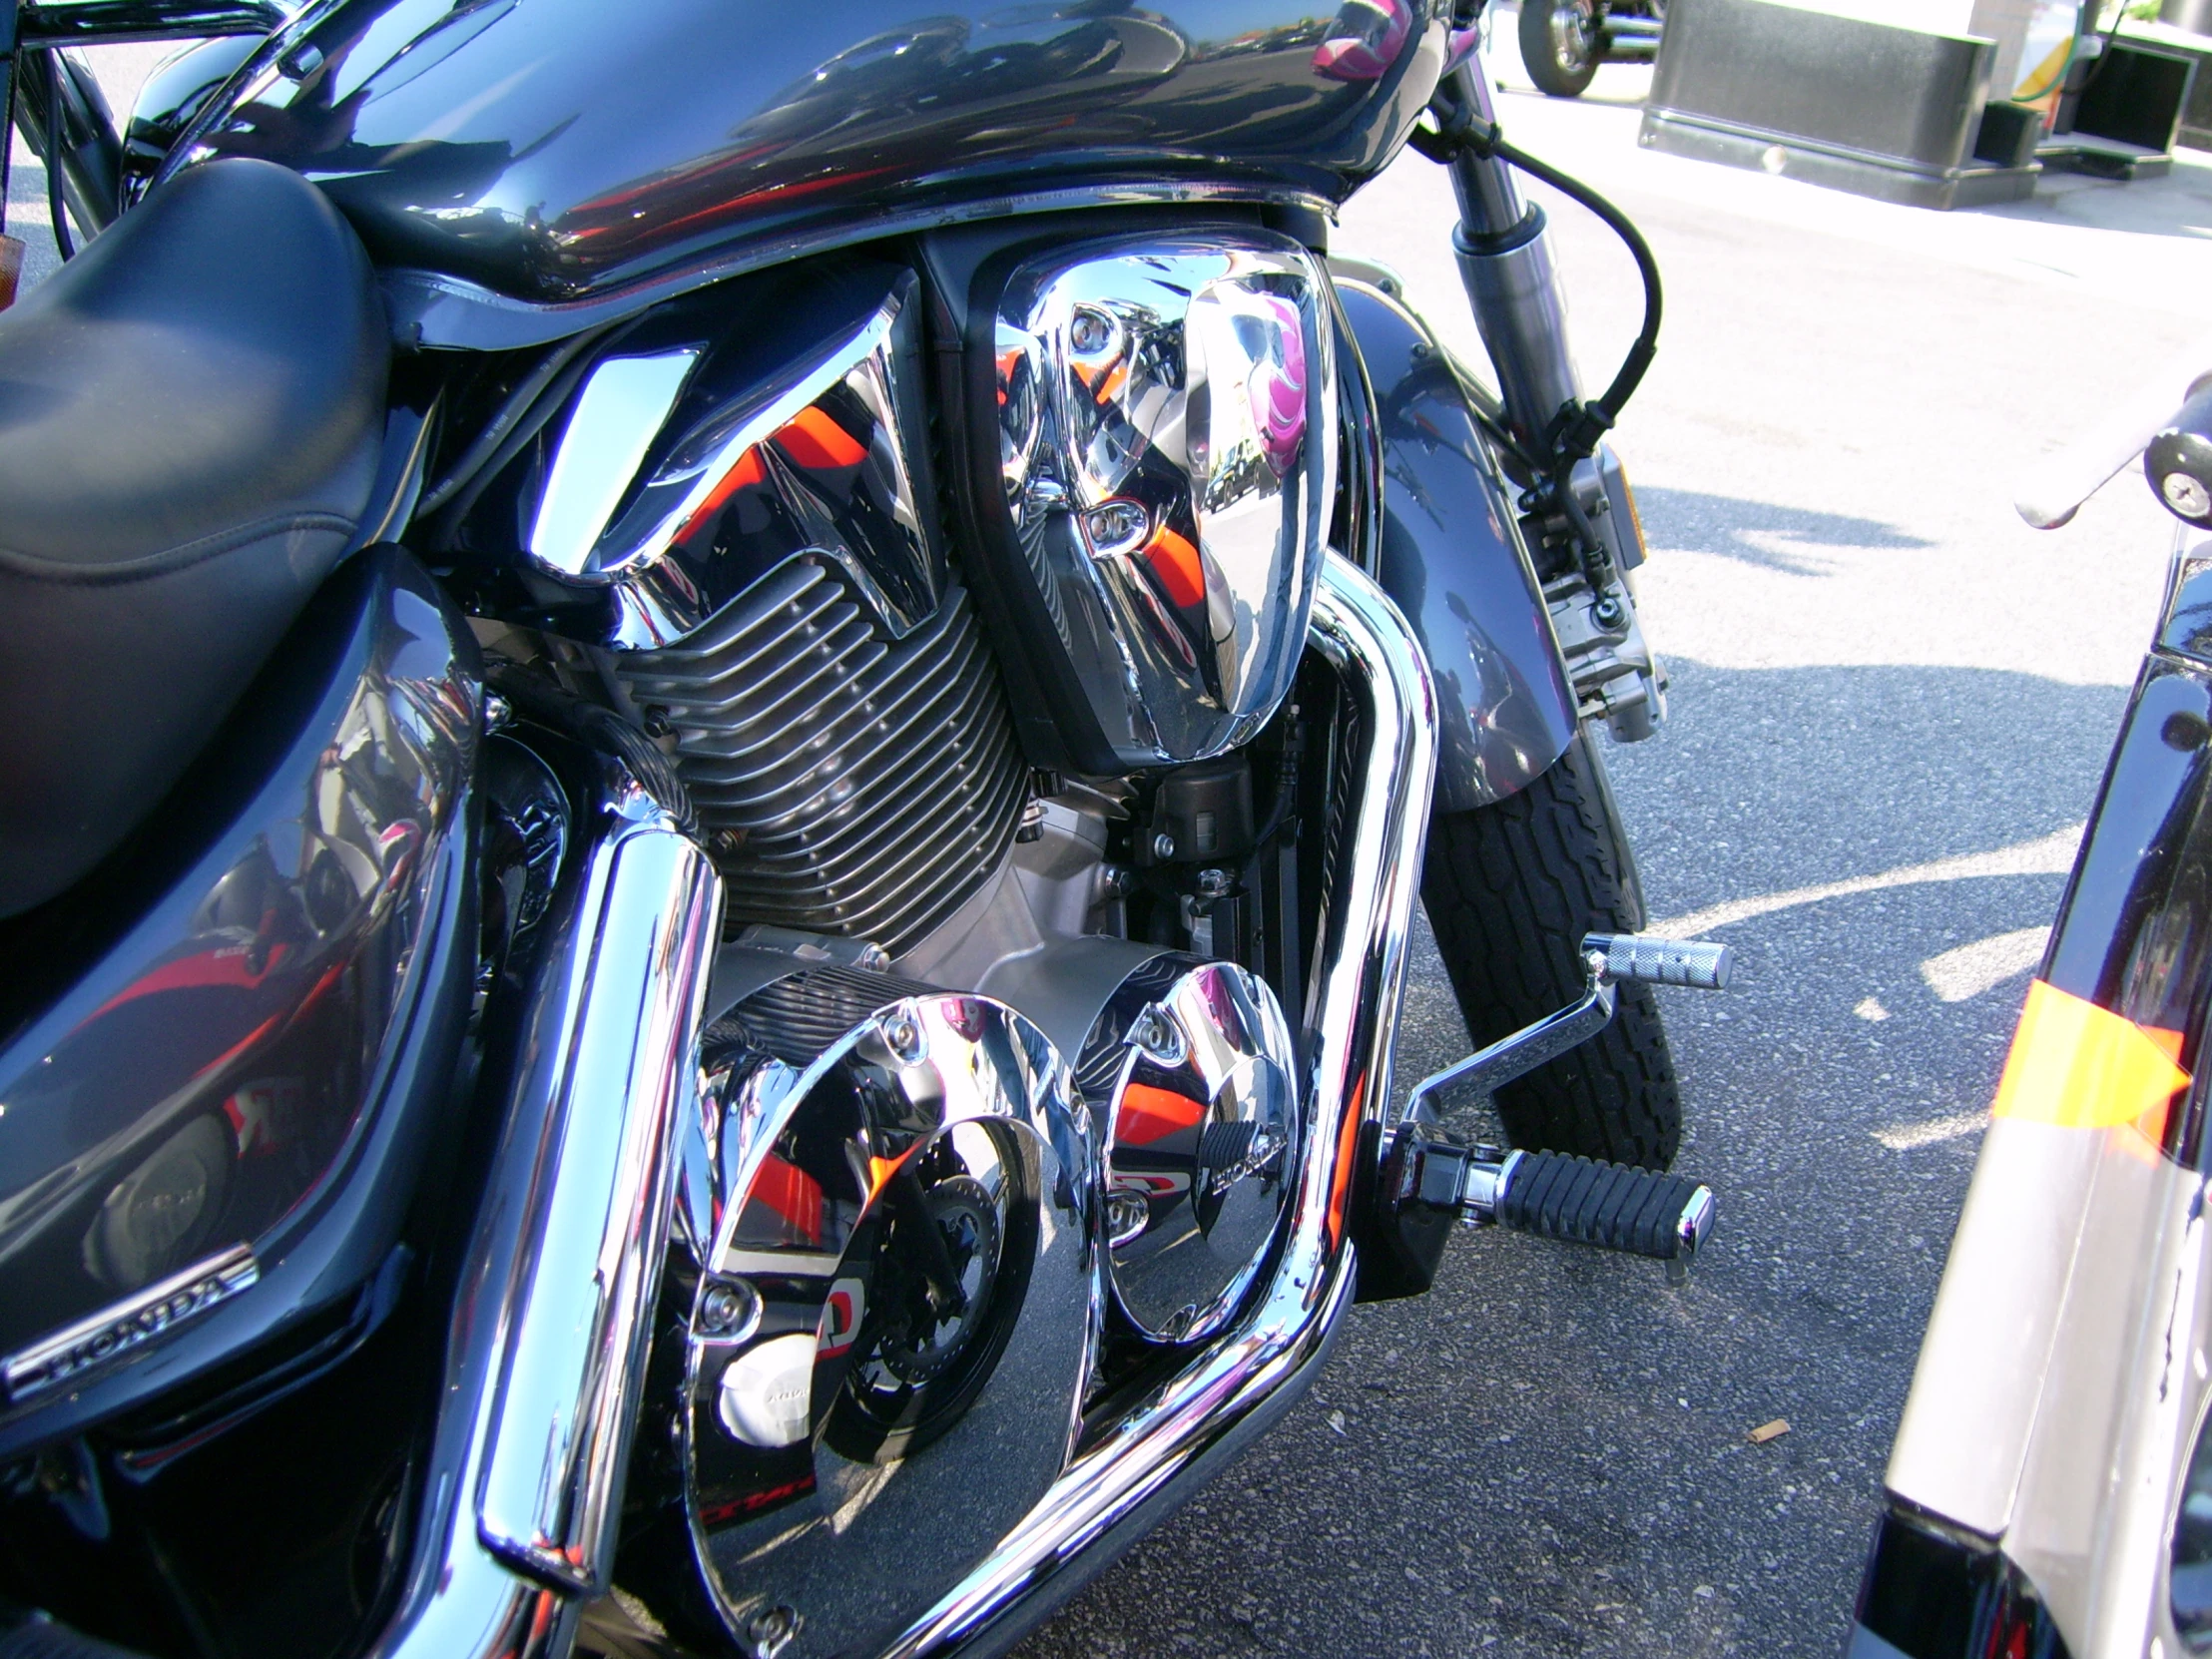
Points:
(999, 1152)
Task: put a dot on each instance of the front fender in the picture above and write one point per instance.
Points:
(1452, 557)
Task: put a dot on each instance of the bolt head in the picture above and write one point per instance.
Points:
(727, 1305)
(2185, 495)
(1163, 845)
(1212, 883)
(1117, 526)
(903, 1037)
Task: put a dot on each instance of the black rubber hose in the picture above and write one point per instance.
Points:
(57, 198)
(1646, 347)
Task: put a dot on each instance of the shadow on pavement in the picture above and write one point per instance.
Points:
(1727, 525)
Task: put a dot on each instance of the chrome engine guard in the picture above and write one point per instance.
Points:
(516, 1536)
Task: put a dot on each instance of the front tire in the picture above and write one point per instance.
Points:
(1561, 44)
(1511, 889)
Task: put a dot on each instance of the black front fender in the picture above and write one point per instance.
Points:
(1452, 557)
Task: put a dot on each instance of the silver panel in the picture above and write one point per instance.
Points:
(617, 416)
(686, 475)
(1167, 429)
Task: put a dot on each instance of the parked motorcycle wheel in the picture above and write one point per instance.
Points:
(1511, 889)
(1561, 44)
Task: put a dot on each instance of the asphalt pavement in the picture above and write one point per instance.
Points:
(1890, 707)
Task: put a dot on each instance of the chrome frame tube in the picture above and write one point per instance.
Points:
(1352, 1008)
(545, 1356)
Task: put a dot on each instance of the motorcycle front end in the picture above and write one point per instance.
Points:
(759, 939)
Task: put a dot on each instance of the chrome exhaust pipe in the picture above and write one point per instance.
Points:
(545, 1354)
(1241, 1383)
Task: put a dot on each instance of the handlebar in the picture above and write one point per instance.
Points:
(2058, 485)
(2178, 461)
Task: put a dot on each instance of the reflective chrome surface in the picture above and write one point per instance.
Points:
(616, 418)
(1166, 426)
(688, 470)
(1192, 1065)
(545, 1353)
(914, 1212)
(506, 152)
(250, 1028)
(1246, 1377)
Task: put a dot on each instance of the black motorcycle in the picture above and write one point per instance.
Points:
(720, 734)
(1562, 41)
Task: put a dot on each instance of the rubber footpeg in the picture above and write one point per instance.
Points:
(1611, 1206)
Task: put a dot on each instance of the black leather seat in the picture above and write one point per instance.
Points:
(191, 416)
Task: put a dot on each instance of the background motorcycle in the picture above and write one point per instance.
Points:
(1562, 41)
(721, 743)
(2051, 1490)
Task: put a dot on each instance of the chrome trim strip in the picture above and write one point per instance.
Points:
(131, 1322)
(1354, 1008)
(545, 1354)
(617, 416)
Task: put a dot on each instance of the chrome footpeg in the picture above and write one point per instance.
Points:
(1610, 960)
(1699, 964)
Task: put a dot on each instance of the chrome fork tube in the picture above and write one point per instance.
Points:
(545, 1356)
(1237, 1386)
(1505, 264)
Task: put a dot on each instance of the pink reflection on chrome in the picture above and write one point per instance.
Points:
(1364, 40)
(1278, 389)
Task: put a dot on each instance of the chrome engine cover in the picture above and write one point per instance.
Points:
(1193, 1067)
(907, 1264)
(1164, 414)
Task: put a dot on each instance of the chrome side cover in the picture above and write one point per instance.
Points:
(890, 1347)
(698, 457)
(1236, 1385)
(1166, 431)
(1192, 1065)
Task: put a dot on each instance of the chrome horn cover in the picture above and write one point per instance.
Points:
(829, 1342)
(1166, 431)
(1192, 1065)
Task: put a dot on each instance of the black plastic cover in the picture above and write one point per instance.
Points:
(1454, 559)
(239, 1029)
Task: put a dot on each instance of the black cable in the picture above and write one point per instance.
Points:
(7, 140)
(1606, 409)
(57, 203)
(496, 429)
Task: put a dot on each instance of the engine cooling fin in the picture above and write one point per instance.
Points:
(852, 784)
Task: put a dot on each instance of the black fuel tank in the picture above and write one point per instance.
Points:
(557, 150)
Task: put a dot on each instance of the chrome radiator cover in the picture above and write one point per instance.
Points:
(852, 784)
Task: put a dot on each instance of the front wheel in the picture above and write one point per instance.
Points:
(1561, 43)
(1511, 889)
